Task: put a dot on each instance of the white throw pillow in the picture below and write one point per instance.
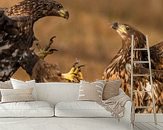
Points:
(16, 95)
(5, 85)
(18, 84)
(91, 91)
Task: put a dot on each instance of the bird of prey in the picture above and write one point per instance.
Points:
(120, 65)
(17, 35)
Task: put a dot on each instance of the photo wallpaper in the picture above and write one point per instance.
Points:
(86, 40)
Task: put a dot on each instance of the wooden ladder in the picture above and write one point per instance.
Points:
(142, 75)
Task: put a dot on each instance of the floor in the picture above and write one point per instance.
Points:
(63, 124)
(148, 126)
(77, 124)
(146, 122)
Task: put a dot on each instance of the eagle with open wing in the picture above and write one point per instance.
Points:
(120, 65)
(17, 36)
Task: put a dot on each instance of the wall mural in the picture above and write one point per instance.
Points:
(19, 48)
(118, 68)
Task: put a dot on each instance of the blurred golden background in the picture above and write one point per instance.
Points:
(87, 34)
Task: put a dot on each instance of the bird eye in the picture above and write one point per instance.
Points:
(59, 6)
(127, 28)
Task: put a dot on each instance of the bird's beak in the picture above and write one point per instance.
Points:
(120, 28)
(63, 13)
(115, 25)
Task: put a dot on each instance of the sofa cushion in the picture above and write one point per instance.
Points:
(26, 109)
(16, 95)
(80, 109)
(18, 84)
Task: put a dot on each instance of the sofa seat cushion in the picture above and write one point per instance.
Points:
(26, 109)
(80, 109)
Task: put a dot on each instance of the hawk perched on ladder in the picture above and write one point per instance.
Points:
(120, 64)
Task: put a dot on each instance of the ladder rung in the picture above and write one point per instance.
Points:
(136, 61)
(143, 91)
(141, 62)
(141, 75)
(140, 49)
(143, 107)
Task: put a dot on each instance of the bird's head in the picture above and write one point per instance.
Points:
(53, 8)
(126, 31)
(37, 9)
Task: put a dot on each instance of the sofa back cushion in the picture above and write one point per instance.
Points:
(55, 92)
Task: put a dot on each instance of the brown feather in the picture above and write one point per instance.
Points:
(117, 68)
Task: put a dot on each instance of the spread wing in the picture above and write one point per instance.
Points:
(8, 33)
(15, 37)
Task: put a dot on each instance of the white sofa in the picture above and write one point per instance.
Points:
(63, 97)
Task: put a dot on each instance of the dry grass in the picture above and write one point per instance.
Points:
(87, 35)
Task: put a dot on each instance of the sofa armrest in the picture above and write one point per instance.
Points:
(128, 111)
(127, 119)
